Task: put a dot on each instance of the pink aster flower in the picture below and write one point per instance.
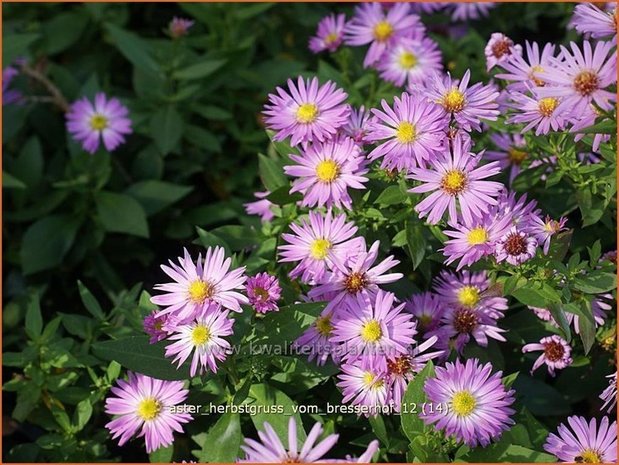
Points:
(476, 241)
(201, 286)
(262, 207)
(467, 105)
(374, 327)
(179, 27)
(316, 243)
(329, 35)
(543, 230)
(582, 77)
(316, 342)
(585, 120)
(367, 455)
(411, 61)
(473, 10)
(326, 171)
(511, 154)
(308, 112)
(609, 395)
(516, 247)
(142, 407)
(427, 308)
(357, 124)
(355, 277)
(365, 383)
(154, 327)
(455, 180)
(541, 113)
(381, 29)
(583, 442)
(270, 449)
(499, 49)
(413, 132)
(591, 20)
(478, 406)
(106, 119)
(203, 337)
(263, 291)
(524, 73)
(517, 209)
(556, 353)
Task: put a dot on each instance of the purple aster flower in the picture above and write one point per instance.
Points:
(179, 27)
(153, 326)
(366, 457)
(10, 96)
(454, 179)
(556, 353)
(499, 49)
(478, 405)
(357, 276)
(411, 61)
(329, 34)
(326, 170)
(381, 29)
(143, 408)
(587, 119)
(427, 308)
(262, 207)
(201, 286)
(543, 113)
(426, 7)
(524, 74)
(473, 10)
(316, 342)
(584, 443)
(263, 291)
(610, 256)
(106, 119)
(543, 230)
(467, 105)
(413, 132)
(365, 383)
(599, 309)
(476, 241)
(513, 152)
(358, 124)
(308, 112)
(517, 209)
(599, 24)
(609, 395)
(205, 338)
(374, 327)
(582, 78)
(316, 243)
(516, 247)
(270, 448)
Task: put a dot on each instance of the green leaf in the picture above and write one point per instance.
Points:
(199, 70)
(271, 173)
(279, 408)
(16, 45)
(236, 236)
(133, 48)
(222, 442)
(540, 398)
(28, 166)
(34, 320)
(11, 182)
(606, 126)
(537, 297)
(83, 412)
(390, 196)
(166, 127)
(136, 354)
(63, 30)
(282, 196)
(121, 213)
(46, 242)
(412, 425)
(162, 455)
(290, 322)
(157, 195)
(416, 242)
(556, 310)
(90, 302)
(596, 282)
(380, 430)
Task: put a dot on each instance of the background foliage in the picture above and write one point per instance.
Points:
(83, 235)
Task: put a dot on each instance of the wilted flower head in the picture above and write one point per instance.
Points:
(556, 353)
(154, 327)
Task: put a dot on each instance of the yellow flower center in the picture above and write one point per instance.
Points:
(370, 381)
(324, 326)
(536, 69)
(320, 249)
(516, 156)
(407, 60)
(547, 106)
(468, 296)
(453, 182)
(371, 332)
(453, 100)
(307, 113)
(586, 82)
(406, 133)
(463, 403)
(330, 38)
(590, 456)
(149, 409)
(200, 335)
(327, 170)
(199, 291)
(98, 122)
(477, 236)
(382, 31)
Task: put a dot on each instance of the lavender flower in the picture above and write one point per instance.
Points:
(263, 291)
(555, 353)
(584, 442)
(329, 34)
